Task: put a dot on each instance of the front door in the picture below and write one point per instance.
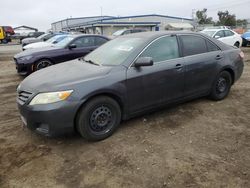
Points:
(154, 85)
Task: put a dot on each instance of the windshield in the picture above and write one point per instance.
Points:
(64, 42)
(56, 39)
(114, 52)
(31, 34)
(209, 33)
(41, 36)
(118, 33)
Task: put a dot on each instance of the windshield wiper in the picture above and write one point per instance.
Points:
(91, 62)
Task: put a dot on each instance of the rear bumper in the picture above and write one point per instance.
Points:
(239, 70)
(50, 119)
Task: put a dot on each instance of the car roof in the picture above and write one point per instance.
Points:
(221, 29)
(149, 36)
(155, 34)
(87, 35)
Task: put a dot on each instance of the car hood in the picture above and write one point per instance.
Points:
(37, 45)
(29, 52)
(63, 76)
(246, 35)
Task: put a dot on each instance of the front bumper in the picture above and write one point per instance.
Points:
(23, 68)
(50, 119)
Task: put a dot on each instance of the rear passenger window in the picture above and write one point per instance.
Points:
(162, 49)
(193, 45)
(211, 46)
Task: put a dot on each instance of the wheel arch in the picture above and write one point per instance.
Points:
(231, 71)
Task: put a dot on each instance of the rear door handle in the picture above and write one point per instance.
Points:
(218, 57)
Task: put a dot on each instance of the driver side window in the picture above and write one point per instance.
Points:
(162, 49)
(221, 34)
(84, 42)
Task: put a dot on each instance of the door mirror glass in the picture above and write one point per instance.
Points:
(71, 46)
(143, 61)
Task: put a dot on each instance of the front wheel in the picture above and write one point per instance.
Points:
(41, 64)
(222, 86)
(99, 118)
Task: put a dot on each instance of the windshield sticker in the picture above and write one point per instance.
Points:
(125, 48)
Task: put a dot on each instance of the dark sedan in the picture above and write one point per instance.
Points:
(72, 47)
(126, 77)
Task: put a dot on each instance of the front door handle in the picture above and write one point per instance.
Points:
(218, 57)
(178, 66)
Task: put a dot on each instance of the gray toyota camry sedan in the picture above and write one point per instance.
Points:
(124, 78)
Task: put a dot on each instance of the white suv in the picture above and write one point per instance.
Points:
(225, 35)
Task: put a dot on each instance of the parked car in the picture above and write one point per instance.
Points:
(41, 38)
(34, 34)
(127, 31)
(5, 34)
(246, 38)
(225, 35)
(51, 42)
(72, 47)
(125, 77)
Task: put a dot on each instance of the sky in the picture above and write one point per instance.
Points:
(41, 13)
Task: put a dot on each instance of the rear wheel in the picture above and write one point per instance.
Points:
(99, 118)
(41, 64)
(222, 86)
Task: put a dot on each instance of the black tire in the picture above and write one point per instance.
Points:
(98, 118)
(4, 41)
(237, 44)
(42, 63)
(221, 86)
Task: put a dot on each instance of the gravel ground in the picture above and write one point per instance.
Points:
(201, 143)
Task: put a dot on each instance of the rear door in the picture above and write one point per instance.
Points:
(154, 85)
(201, 63)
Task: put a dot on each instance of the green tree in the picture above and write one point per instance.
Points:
(226, 19)
(202, 17)
(242, 23)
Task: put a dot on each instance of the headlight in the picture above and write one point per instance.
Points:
(25, 58)
(51, 97)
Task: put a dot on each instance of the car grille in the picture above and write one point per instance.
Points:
(23, 96)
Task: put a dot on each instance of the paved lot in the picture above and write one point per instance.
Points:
(197, 144)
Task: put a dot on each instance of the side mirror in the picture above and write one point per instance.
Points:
(144, 61)
(216, 36)
(55, 42)
(71, 46)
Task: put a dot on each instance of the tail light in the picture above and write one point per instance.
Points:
(242, 55)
